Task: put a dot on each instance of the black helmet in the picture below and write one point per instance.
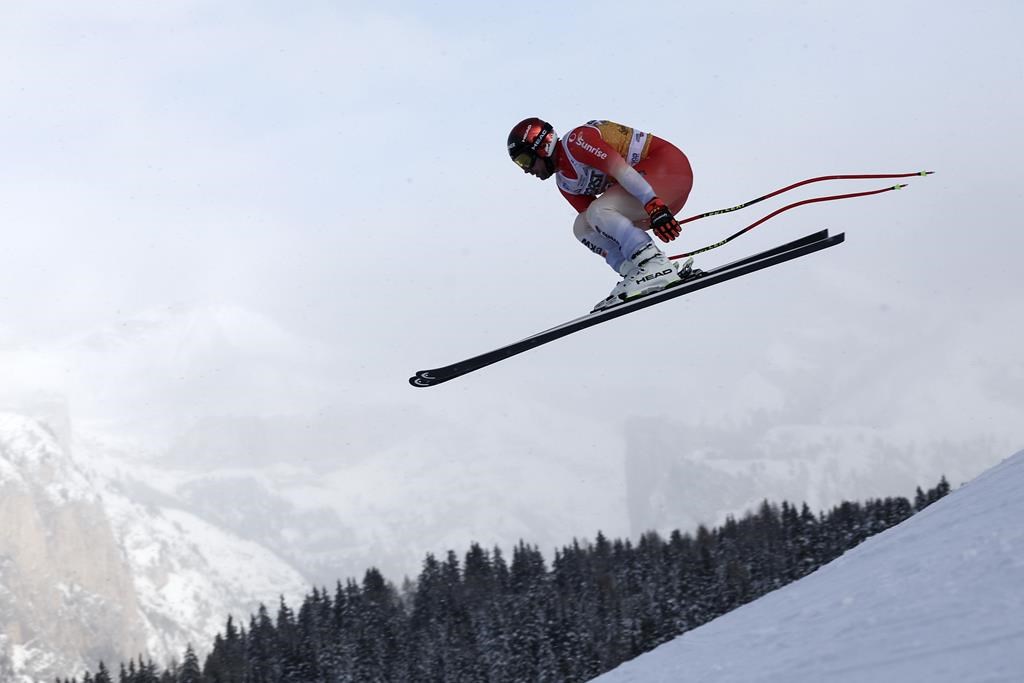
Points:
(531, 139)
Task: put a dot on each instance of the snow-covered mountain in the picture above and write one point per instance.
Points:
(223, 412)
(800, 423)
(213, 402)
(412, 492)
(937, 598)
(215, 422)
(196, 406)
(65, 586)
(713, 473)
(86, 574)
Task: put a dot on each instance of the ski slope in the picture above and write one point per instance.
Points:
(939, 598)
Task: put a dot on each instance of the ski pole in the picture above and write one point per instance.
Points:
(753, 225)
(870, 176)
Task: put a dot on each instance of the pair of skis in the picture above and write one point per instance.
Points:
(765, 259)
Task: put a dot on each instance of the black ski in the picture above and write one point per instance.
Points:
(765, 259)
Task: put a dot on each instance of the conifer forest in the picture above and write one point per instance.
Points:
(490, 616)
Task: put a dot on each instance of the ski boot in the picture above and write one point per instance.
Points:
(648, 271)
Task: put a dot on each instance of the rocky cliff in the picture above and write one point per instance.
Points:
(66, 592)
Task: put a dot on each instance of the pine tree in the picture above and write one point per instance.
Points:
(190, 670)
(526, 602)
(701, 596)
(262, 653)
(346, 627)
(939, 491)
(496, 623)
(288, 645)
(427, 662)
(920, 500)
(147, 672)
(377, 648)
(103, 675)
(310, 636)
(226, 662)
(478, 578)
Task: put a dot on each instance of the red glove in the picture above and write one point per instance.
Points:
(664, 224)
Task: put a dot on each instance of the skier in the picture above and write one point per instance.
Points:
(622, 181)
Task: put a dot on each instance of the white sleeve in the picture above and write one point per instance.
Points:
(635, 184)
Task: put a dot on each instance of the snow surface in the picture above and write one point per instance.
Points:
(937, 598)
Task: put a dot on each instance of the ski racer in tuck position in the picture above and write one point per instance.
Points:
(623, 182)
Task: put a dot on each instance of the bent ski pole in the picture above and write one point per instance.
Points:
(753, 225)
(868, 176)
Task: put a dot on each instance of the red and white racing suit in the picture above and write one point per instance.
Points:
(608, 171)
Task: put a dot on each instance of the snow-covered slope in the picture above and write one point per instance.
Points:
(939, 598)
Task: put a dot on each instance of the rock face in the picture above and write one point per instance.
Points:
(88, 574)
(66, 594)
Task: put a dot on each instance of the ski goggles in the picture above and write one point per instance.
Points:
(524, 160)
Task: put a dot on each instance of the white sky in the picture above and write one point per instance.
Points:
(340, 168)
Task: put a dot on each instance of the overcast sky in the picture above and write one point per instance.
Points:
(339, 167)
